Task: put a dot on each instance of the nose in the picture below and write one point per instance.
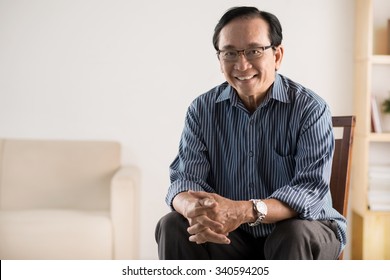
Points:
(242, 62)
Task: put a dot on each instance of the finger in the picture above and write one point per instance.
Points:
(206, 222)
(198, 228)
(208, 202)
(195, 229)
(209, 236)
(205, 198)
(201, 209)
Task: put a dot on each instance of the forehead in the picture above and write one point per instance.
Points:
(242, 32)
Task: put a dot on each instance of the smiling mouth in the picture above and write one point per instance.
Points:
(245, 78)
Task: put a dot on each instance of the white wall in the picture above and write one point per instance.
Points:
(127, 70)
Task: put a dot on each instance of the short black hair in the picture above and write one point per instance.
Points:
(274, 27)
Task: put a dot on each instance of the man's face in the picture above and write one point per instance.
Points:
(251, 78)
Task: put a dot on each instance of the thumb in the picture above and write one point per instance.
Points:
(208, 202)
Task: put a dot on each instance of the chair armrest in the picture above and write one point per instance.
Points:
(124, 209)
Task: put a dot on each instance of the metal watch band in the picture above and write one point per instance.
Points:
(260, 213)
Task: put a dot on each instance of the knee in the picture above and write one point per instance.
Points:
(302, 239)
(290, 240)
(170, 222)
(287, 235)
(293, 229)
(172, 219)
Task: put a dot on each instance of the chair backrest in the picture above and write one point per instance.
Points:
(340, 177)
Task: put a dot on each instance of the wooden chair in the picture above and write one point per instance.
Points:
(340, 177)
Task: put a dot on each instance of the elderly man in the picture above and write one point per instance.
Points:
(251, 178)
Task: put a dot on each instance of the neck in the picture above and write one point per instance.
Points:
(252, 102)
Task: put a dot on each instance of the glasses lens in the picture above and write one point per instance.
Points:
(229, 55)
(253, 53)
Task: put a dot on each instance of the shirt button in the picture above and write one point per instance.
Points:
(251, 185)
(251, 153)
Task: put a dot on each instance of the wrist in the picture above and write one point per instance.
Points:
(181, 203)
(250, 215)
(260, 209)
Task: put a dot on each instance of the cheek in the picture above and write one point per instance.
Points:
(221, 67)
(226, 69)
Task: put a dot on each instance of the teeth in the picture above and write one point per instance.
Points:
(244, 78)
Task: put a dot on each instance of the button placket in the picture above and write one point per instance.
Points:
(251, 156)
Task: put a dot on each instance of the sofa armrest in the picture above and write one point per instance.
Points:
(124, 210)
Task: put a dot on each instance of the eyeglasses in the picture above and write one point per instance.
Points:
(250, 53)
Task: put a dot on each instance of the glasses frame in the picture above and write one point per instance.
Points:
(244, 53)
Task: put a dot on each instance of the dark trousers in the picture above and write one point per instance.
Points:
(292, 239)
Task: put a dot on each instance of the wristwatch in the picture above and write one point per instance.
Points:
(261, 209)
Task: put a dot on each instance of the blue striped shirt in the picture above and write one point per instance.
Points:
(283, 150)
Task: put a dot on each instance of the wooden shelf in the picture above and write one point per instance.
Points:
(382, 213)
(370, 228)
(381, 59)
(379, 137)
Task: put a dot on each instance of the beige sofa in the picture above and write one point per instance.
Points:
(66, 200)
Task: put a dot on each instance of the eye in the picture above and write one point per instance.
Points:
(254, 52)
(229, 54)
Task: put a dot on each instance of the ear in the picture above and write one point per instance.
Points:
(279, 51)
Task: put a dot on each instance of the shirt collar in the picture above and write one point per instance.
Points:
(280, 89)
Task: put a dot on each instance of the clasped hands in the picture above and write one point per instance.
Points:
(212, 217)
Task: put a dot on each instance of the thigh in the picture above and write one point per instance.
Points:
(172, 239)
(303, 239)
(243, 246)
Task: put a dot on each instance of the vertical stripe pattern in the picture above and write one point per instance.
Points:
(283, 150)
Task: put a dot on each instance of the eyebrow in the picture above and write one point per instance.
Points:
(251, 45)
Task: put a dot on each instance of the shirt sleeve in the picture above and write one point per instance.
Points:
(308, 192)
(190, 169)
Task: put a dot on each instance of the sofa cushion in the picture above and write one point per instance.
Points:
(57, 234)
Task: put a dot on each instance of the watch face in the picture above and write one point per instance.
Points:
(261, 207)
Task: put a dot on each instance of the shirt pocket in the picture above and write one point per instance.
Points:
(281, 170)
